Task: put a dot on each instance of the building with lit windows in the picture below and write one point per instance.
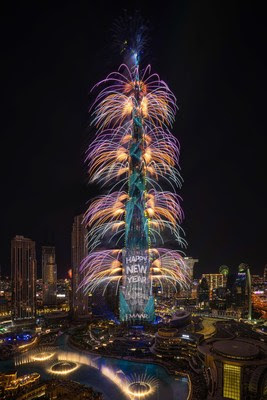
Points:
(49, 274)
(23, 277)
(235, 369)
(78, 253)
(171, 343)
(11, 384)
(214, 281)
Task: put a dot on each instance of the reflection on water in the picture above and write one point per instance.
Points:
(116, 379)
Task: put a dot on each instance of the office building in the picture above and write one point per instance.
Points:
(49, 275)
(78, 253)
(23, 276)
(214, 281)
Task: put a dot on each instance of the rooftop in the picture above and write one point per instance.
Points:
(236, 349)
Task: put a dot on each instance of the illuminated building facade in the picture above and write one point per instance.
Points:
(214, 280)
(171, 343)
(23, 276)
(234, 369)
(238, 294)
(11, 384)
(49, 273)
(78, 253)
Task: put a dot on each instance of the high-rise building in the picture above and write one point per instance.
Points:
(23, 275)
(49, 274)
(214, 281)
(239, 290)
(78, 253)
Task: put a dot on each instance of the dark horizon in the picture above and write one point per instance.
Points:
(211, 56)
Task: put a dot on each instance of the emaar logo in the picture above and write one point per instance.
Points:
(136, 316)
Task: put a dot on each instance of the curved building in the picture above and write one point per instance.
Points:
(180, 319)
(235, 368)
(169, 342)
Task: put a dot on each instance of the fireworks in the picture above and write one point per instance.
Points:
(134, 154)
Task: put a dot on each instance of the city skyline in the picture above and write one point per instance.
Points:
(132, 259)
(221, 141)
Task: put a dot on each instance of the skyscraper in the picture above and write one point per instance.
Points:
(23, 275)
(78, 253)
(214, 280)
(49, 274)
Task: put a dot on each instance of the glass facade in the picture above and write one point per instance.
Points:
(231, 381)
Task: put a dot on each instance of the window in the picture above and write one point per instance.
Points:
(231, 381)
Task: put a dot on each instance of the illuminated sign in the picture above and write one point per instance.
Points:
(185, 336)
(136, 290)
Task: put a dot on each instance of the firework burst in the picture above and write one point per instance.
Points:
(134, 154)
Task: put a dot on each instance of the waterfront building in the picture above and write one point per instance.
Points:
(79, 251)
(69, 390)
(11, 385)
(23, 276)
(49, 275)
(172, 343)
(234, 369)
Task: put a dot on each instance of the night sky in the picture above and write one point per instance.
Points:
(211, 54)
